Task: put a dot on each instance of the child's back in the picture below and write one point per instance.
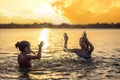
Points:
(24, 61)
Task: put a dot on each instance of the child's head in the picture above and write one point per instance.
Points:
(24, 46)
(82, 43)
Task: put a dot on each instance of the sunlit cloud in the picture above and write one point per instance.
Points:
(89, 11)
(30, 10)
(59, 11)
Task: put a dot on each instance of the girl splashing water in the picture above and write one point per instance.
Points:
(24, 60)
(86, 46)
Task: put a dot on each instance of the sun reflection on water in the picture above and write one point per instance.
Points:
(44, 37)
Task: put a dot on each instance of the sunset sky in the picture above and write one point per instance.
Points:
(60, 11)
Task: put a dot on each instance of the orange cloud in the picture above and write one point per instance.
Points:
(89, 11)
(60, 11)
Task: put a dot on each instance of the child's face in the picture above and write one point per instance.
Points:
(82, 43)
(27, 50)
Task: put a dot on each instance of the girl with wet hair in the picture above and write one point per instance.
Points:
(24, 60)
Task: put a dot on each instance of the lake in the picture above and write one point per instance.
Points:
(105, 41)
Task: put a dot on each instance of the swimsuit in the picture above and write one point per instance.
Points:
(85, 55)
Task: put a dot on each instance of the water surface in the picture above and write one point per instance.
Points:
(54, 60)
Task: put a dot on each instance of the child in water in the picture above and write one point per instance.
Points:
(24, 59)
(86, 46)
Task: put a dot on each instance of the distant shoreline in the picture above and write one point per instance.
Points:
(56, 28)
(64, 25)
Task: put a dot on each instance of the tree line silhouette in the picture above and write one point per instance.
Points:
(63, 25)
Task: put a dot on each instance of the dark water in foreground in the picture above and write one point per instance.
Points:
(57, 64)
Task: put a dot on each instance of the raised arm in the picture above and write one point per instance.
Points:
(90, 47)
(66, 40)
(40, 49)
(65, 45)
(38, 56)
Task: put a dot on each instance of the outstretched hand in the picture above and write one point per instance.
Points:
(65, 36)
(66, 39)
(85, 36)
(41, 44)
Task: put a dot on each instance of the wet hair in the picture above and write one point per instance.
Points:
(86, 44)
(21, 45)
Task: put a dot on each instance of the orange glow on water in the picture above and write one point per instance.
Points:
(44, 37)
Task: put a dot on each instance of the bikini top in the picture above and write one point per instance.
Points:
(85, 55)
